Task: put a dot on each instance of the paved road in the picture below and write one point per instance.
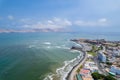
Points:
(73, 71)
(102, 71)
(99, 67)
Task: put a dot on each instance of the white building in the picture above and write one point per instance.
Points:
(91, 66)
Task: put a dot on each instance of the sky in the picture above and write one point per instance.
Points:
(70, 15)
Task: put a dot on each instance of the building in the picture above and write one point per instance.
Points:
(115, 70)
(91, 66)
(78, 76)
(101, 57)
(116, 53)
(86, 74)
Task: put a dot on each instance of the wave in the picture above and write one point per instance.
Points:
(47, 47)
(62, 47)
(31, 46)
(49, 77)
(54, 47)
(58, 47)
(47, 43)
(74, 51)
(78, 45)
(62, 72)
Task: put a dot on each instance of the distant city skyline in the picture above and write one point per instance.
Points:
(72, 15)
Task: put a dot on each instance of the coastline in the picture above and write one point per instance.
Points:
(61, 74)
(73, 72)
(106, 67)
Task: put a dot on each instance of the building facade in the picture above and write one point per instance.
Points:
(115, 70)
(101, 57)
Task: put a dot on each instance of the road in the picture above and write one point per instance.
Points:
(99, 67)
(102, 71)
(73, 72)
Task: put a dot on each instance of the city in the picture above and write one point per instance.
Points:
(102, 60)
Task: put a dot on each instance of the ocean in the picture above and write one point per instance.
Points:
(40, 56)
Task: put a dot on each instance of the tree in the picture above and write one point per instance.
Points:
(96, 75)
(78, 70)
(109, 63)
(109, 77)
(101, 47)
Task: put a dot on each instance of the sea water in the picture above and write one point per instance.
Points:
(39, 56)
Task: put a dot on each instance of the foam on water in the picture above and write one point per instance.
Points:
(58, 47)
(49, 77)
(47, 43)
(74, 51)
(54, 47)
(62, 47)
(63, 71)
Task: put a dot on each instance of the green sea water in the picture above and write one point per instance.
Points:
(32, 56)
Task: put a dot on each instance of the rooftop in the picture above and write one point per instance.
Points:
(84, 71)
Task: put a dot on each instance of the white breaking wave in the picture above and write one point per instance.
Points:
(62, 47)
(62, 72)
(78, 45)
(58, 47)
(74, 51)
(49, 77)
(47, 43)
(53, 47)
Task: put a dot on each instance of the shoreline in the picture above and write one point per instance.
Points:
(54, 76)
(73, 72)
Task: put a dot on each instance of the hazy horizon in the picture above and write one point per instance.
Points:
(59, 15)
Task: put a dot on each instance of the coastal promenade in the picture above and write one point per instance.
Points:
(73, 72)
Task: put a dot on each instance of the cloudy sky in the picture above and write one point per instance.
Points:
(72, 15)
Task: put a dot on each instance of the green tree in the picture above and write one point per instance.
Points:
(101, 47)
(78, 70)
(96, 76)
(109, 63)
(109, 77)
